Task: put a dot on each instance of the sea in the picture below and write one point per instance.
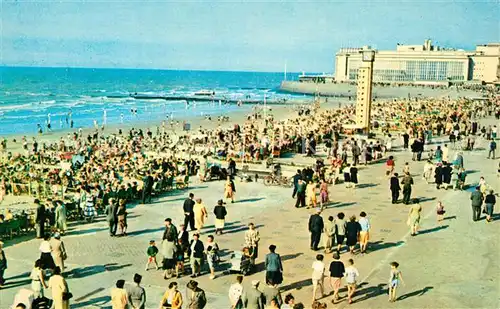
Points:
(31, 96)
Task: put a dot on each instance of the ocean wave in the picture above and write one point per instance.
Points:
(48, 102)
(15, 107)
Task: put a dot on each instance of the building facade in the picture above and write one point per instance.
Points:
(423, 64)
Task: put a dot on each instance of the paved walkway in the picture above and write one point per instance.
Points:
(454, 264)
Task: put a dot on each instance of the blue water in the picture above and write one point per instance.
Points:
(29, 95)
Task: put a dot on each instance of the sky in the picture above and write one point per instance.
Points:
(231, 35)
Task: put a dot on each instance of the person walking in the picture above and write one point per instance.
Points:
(60, 290)
(329, 231)
(274, 267)
(272, 294)
(119, 297)
(252, 238)
(137, 294)
(394, 279)
(356, 152)
(316, 226)
(414, 218)
(46, 254)
(236, 293)
(493, 147)
(38, 280)
(301, 194)
(364, 233)
(476, 198)
(323, 193)
(200, 214)
(39, 219)
(340, 226)
(489, 203)
(296, 178)
(337, 271)
(170, 233)
(188, 212)
(407, 182)
(197, 298)
(111, 216)
(395, 188)
(147, 188)
(318, 276)
(352, 233)
(172, 299)
(59, 253)
(3, 264)
(351, 276)
(212, 254)
(220, 213)
(169, 252)
(253, 298)
(61, 218)
(196, 250)
(229, 189)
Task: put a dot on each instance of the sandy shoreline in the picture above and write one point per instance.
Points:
(281, 112)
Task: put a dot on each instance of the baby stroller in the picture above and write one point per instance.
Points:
(241, 263)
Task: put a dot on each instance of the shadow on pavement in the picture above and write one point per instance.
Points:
(380, 245)
(83, 272)
(338, 205)
(15, 284)
(416, 293)
(98, 301)
(366, 185)
(296, 285)
(226, 224)
(434, 229)
(449, 217)
(249, 200)
(88, 231)
(234, 229)
(145, 231)
(370, 292)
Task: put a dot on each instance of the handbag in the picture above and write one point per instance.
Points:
(67, 295)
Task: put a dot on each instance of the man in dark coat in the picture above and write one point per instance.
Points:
(147, 188)
(111, 216)
(301, 194)
(170, 233)
(40, 219)
(316, 226)
(395, 188)
(188, 212)
(296, 179)
(476, 198)
(407, 182)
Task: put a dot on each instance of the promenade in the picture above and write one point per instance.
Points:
(454, 264)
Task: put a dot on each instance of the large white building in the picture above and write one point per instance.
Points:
(423, 64)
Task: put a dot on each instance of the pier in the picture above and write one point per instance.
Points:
(214, 99)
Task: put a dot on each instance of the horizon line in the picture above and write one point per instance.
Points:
(148, 69)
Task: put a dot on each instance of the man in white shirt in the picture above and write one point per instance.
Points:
(351, 275)
(235, 293)
(318, 276)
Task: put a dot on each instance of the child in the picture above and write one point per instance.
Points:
(152, 252)
(394, 279)
(351, 274)
(440, 211)
(179, 258)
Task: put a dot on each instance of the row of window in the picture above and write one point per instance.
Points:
(419, 70)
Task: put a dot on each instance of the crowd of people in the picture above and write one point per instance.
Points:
(103, 174)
